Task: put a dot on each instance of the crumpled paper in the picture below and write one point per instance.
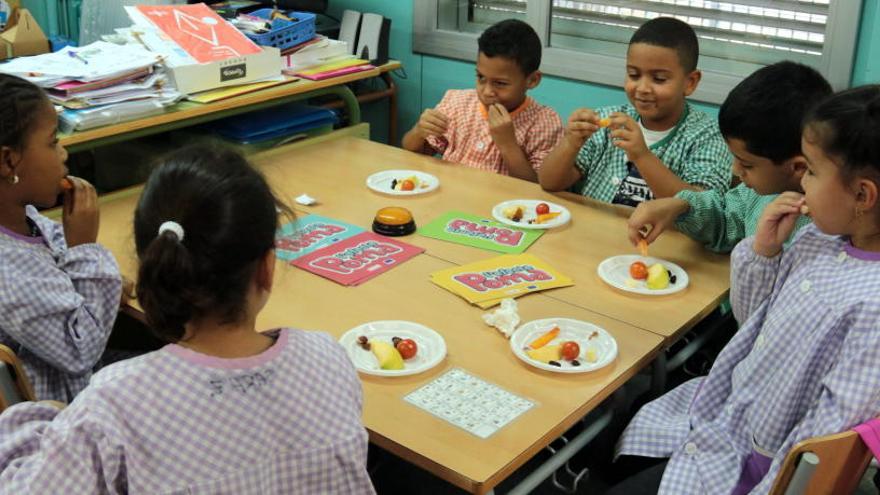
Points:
(505, 318)
(305, 200)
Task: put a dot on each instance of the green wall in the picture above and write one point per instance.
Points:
(428, 77)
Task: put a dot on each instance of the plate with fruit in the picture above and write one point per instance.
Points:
(563, 345)
(402, 182)
(531, 214)
(393, 348)
(643, 275)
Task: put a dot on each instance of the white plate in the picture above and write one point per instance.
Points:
(431, 346)
(381, 182)
(576, 330)
(615, 272)
(529, 214)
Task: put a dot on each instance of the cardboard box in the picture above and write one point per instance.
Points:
(193, 78)
(22, 36)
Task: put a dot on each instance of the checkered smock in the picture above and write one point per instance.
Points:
(286, 421)
(57, 306)
(805, 363)
(694, 151)
(467, 139)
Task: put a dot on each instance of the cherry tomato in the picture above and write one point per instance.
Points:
(638, 270)
(570, 350)
(542, 209)
(407, 348)
(407, 185)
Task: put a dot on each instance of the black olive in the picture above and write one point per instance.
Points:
(672, 279)
(555, 363)
(575, 362)
(393, 183)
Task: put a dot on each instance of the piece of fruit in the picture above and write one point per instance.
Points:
(407, 185)
(407, 348)
(546, 353)
(638, 270)
(542, 208)
(658, 277)
(643, 247)
(389, 358)
(514, 212)
(66, 184)
(570, 350)
(604, 122)
(546, 217)
(590, 356)
(545, 338)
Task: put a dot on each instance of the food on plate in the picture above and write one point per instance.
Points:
(638, 270)
(66, 184)
(364, 342)
(546, 217)
(410, 183)
(658, 277)
(643, 247)
(591, 356)
(545, 338)
(605, 122)
(389, 358)
(546, 354)
(542, 209)
(570, 350)
(406, 347)
(514, 212)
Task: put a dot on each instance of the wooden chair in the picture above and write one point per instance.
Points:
(824, 465)
(14, 384)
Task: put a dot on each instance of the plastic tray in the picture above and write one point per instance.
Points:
(285, 34)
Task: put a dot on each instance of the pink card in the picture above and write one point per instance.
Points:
(357, 259)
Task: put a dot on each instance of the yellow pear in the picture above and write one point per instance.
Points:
(658, 277)
(546, 354)
(389, 358)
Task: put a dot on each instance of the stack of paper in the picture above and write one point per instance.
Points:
(99, 84)
(335, 69)
(317, 51)
(486, 283)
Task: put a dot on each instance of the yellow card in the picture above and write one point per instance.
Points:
(489, 281)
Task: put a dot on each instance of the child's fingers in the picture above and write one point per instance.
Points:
(584, 115)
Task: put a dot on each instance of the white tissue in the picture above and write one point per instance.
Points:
(505, 318)
(305, 200)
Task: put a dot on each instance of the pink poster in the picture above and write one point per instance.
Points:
(358, 258)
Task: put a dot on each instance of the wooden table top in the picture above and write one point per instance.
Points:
(336, 173)
(304, 300)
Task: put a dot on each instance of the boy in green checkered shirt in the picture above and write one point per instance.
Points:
(761, 122)
(655, 146)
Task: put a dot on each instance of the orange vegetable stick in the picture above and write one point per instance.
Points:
(66, 185)
(547, 216)
(545, 339)
(643, 247)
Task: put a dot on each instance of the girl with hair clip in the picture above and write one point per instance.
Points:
(806, 360)
(59, 291)
(223, 408)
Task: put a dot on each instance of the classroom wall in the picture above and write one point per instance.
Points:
(428, 77)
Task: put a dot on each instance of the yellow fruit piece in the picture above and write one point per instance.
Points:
(604, 122)
(389, 358)
(514, 213)
(658, 277)
(590, 356)
(546, 354)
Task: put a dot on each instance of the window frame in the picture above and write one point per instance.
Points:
(836, 62)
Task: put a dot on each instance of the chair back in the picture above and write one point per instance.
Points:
(14, 384)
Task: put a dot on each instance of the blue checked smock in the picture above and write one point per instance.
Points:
(805, 362)
(694, 151)
(57, 306)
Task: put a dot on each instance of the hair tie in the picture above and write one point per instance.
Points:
(172, 226)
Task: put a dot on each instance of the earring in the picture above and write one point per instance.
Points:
(14, 179)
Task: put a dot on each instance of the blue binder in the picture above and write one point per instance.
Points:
(273, 122)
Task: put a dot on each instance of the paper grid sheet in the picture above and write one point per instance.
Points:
(472, 404)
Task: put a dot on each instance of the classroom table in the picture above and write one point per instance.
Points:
(186, 114)
(304, 300)
(335, 174)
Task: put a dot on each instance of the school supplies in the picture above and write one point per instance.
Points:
(485, 283)
(357, 259)
(310, 233)
(473, 230)
(469, 402)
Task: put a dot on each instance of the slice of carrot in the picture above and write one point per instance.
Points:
(643, 247)
(544, 217)
(66, 184)
(545, 338)
(604, 122)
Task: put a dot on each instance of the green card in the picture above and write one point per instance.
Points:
(472, 230)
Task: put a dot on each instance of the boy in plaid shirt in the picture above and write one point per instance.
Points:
(655, 146)
(761, 122)
(496, 127)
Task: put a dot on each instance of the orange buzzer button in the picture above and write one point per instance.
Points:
(394, 221)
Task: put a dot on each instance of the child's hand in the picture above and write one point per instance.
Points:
(80, 214)
(500, 125)
(651, 218)
(777, 223)
(432, 123)
(626, 135)
(582, 123)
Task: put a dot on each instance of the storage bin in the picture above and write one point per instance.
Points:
(285, 34)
